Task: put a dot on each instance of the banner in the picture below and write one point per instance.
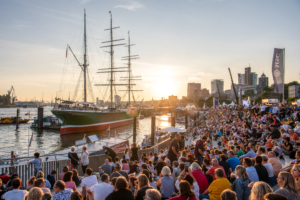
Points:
(240, 88)
(278, 70)
(216, 102)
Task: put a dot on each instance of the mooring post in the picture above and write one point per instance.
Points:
(134, 129)
(40, 117)
(152, 129)
(17, 119)
(186, 121)
(173, 120)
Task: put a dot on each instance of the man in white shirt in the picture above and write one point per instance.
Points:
(101, 190)
(16, 193)
(275, 110)
(88, 181)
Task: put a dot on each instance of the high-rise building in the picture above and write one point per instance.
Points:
(253, 79)
(214, 88)
(263, 81)
(193, 90)
(248, 76)
(204, 92)
(294, 91)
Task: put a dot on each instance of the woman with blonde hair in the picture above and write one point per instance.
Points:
(84, 161)
(141, 185)
(166, 183)
(240, 185)
(200, 177)
(296, 174)
(35, 194)
(259, 189)
(288, 186)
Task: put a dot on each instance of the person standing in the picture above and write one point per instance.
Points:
(199, 149)
(134, 153)
(84, 159)
(173, 152)
(74, 157)
(110, 152)
(37, 162)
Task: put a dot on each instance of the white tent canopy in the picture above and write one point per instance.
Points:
(232, 103)
(172, 129)
(224, 104)
(189, 106)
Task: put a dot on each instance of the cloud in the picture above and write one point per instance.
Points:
(19, 24)
(133, 5)
(84, 1)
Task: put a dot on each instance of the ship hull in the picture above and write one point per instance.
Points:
(84, 121)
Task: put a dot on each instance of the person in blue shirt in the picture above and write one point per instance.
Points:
(37, 162)
(233, 161)
(251, 171)
(250, 153)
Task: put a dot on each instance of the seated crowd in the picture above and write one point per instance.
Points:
(245, 165)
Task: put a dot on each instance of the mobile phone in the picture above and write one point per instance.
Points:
(186, 168)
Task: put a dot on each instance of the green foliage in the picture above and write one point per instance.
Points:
(258, 99)
(5, 99)
(250, 93)
(200, 103)
(209, 101)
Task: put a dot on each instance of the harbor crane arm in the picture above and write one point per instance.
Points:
(75, 56)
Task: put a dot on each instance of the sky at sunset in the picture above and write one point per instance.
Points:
(178, 41)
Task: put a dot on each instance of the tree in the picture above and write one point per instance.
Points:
(250, 93)
(200, 103)
(209, 101)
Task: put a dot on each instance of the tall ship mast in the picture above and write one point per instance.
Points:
(85, 116)
(130, 78)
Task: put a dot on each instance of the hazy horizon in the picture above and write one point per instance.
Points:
(178, 42)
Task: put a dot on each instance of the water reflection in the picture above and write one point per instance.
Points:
(48, 140)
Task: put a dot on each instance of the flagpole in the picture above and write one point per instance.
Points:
(28, 141)
(283, 75)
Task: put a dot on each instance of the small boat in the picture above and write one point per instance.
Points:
(12, 120)
(49, 121)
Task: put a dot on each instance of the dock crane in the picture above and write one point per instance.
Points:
(12, 93)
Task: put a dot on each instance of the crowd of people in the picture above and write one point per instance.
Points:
(244, 164)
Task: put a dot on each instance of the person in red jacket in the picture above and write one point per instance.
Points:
(200, 177)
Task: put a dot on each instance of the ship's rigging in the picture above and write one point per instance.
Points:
(84, 80)
(112, 70)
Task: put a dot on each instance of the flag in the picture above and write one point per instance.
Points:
(67, 52)
(108, 129)
(30, 140)
(278, 70)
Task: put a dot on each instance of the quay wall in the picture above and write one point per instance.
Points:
(25, 172)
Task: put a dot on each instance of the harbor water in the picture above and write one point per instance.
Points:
(50, 140)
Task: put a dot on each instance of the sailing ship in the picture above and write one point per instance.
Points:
(85, 116)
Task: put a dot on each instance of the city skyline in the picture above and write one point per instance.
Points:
(178, 42)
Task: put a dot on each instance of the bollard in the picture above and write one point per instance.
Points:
(186, 121)
(40, 117)
(173, 120)
(134, 129)
(17, 119)
(152, 129)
